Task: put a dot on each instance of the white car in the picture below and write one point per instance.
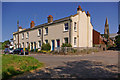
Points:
(11, 50)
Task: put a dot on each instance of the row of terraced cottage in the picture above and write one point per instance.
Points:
(75, 29)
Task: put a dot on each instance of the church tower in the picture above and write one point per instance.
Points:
(106, 31)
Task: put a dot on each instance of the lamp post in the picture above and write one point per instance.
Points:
(18, 32)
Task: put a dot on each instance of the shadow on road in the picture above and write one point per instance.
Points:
(77, 69)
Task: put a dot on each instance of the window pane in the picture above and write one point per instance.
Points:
(39, 31)
(66, 40)
(66, 26)
(39, 44)
(75, 25)
(74, 40)
(46, 41)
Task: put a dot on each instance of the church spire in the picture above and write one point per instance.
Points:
(106, 30)
(106, 22)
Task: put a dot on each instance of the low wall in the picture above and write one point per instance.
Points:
(76, 49)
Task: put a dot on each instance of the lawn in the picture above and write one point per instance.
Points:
(13, 65)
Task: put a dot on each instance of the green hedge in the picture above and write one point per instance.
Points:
(66, 45)
(46, 47)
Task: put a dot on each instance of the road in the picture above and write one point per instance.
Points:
(94, 65)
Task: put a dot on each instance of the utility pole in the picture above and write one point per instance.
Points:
(18, 32)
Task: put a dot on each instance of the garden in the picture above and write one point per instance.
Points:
(13, 65)
(65, 49)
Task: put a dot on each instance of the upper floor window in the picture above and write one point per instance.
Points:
(22, 35)
(14, 37)
(66, 27)
(46, 30)
(39, 32)
(27, 35)
(46, 41)
(75, 26)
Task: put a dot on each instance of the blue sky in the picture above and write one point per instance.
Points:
(25, 12)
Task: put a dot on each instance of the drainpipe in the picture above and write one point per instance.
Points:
(42, 37)
(70, 32)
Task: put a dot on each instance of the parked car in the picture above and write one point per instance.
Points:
(21, 51)
(6, 50)
(11, 50)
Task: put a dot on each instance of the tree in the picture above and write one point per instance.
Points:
(117, 40)
(5, 43)
(105, 36)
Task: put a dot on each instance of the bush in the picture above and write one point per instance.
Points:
(117, 40)
(66, 45)
(46, 47)
(36, 50)
(32, 50)
(73, 50)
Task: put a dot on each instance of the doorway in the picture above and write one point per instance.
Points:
(53, 45)
(58, 43)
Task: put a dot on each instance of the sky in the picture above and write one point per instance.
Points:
(25, 12)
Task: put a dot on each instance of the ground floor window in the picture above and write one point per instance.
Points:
(66, 40)
(34, 45)
(31, 45)
(15, 46)
(58, 43)
(39, 44)
(27, 44)
(75, 40)
(46, 41)
(23, 44)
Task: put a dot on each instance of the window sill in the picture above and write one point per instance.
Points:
(45, 34)
(65, 31)
(38, 35)
(75, 30)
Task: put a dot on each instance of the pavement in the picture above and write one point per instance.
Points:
(95, 65)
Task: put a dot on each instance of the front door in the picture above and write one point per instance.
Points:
(53, 45)
(58, 43)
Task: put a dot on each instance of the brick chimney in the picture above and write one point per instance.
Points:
(50, 19)
(88, 14)
(79, 8)
(20, 28)
(32, 24)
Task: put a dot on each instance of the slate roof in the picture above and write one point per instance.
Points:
(47, 24)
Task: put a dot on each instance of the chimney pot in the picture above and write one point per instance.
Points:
(79, 8)
(50, 19)
(32, 24)
(20, 27)
(88, 14)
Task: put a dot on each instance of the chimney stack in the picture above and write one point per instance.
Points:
(50, 19)
(20, 28)
(32, 24)
(88, 14)
(79, 8)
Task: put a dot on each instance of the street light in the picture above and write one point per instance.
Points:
(18, 32)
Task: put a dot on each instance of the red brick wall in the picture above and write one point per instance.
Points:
(96, 37)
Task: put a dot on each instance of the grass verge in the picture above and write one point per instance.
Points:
(13, 65)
